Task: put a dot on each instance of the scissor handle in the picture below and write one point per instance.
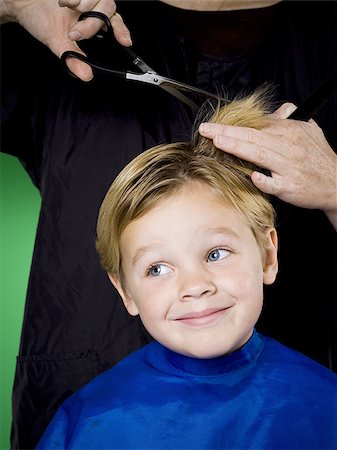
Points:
(91, 62)
(134, 59)
(97, 15)
(94, 64)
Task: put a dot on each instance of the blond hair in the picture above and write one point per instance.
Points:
(159, 172)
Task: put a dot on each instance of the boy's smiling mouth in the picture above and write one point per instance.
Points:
(204, 317)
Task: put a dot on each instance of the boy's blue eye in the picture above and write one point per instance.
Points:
(217, 254)
(158, 269)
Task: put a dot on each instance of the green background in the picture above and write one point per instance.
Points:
(20, 203)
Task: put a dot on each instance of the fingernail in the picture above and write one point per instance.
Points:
(258, 176)
(204, 128)
(74, 35)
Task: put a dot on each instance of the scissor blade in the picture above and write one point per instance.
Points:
(180, 96)
(171, 86)
(157, 80)
(167, 82)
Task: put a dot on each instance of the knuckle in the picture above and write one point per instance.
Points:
(221, 129)
(218, 130)
(116, 19)
(89, 27)
(253, 136)
(274, 187)
(107, 6)
(293, 125)
(261, 155)
(233, 144)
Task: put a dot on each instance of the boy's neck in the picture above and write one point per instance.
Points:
(221, 365)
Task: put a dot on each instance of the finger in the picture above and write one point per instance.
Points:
(246, 134)
(257, 154)
(284, 111)
(78, 68)
(269, 185)
(262, 138)
(80, 5)
(87, 28)
(121, 32)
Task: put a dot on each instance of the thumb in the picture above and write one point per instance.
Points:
(284, 111)
(266, 184)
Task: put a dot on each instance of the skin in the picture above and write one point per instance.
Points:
(198, 286)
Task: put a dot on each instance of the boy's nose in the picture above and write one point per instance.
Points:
(195, 285)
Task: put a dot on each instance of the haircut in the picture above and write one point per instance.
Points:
(161, 171)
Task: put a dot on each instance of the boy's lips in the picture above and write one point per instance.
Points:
(203, 317)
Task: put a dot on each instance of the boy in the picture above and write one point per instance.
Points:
(188, 241)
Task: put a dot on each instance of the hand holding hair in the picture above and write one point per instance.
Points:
(56, 25)
(302, 164)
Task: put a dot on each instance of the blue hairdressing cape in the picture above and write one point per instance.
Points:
(263, 396)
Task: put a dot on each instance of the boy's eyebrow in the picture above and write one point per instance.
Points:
(141, 252)
(225, 231)
(213, 231)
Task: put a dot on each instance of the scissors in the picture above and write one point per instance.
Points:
(146, 75)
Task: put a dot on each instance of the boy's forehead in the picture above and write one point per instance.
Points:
(193, 212)
(194, 198)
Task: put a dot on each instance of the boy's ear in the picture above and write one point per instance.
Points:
(270, 266)
(128, 301)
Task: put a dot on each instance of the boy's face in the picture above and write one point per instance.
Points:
(194, 273)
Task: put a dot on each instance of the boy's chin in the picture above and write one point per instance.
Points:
(209, 349)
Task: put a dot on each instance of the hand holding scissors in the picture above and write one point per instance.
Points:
(145, 73)
(56, 25)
